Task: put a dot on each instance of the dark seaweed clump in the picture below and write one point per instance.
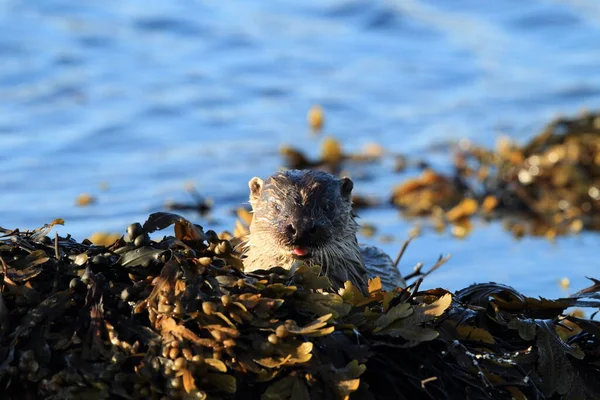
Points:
(177, 318)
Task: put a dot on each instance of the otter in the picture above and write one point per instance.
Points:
(306, 215)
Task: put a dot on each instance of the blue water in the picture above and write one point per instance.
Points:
(148, 96)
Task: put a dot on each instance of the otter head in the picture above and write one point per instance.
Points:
(300, 215)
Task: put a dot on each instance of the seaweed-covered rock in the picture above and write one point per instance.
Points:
(178, 318)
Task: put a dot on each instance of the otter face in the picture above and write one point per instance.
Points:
(297, 213)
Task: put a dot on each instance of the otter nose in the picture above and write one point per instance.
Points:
(299, 230)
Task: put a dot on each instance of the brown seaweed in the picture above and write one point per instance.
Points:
(177, 317)
(547, 187)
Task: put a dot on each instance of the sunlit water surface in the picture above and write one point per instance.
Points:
(146, 96)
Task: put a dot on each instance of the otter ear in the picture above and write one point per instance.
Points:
(255, 186)
(346, 186)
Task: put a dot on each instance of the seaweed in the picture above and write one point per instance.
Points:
(177, 317)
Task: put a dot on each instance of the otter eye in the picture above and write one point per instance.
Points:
(275, 206)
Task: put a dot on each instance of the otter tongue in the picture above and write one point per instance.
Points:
(301, 251)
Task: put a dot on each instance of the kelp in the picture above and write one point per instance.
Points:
(200, 204)
(331, 157)
(176, 317)
(547, 187)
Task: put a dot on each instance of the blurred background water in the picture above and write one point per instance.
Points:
(142, 97)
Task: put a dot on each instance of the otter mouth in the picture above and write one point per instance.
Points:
(301, 252)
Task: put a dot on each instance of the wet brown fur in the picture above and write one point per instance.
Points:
(300, 197)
